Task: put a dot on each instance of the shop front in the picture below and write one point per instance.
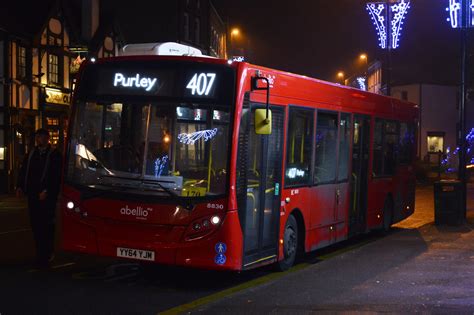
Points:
(55, 114)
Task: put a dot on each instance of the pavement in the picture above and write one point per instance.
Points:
(16, 237)
(417, 267)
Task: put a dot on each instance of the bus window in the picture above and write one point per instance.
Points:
(344, 147)
(386, 140)
(144, 146)
(390, 147)
(407, 141)
(299, 147)
(326, 144)
(378, 148)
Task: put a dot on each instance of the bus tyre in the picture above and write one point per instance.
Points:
(290, 244)
(387, 215)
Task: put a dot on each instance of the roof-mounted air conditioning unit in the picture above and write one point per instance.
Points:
(161, 49)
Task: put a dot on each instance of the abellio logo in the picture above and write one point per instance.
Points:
(138, 212)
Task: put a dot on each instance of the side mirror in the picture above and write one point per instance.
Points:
(263, 124)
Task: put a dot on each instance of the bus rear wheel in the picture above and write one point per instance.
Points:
(290, 244)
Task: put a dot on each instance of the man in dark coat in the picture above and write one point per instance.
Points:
(39, 179)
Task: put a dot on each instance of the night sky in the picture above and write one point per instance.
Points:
(319, 37)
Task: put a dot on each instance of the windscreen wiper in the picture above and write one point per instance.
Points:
(188, 206)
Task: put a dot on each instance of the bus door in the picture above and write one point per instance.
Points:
(360, 172)
(259, 185)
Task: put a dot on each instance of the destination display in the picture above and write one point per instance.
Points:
(150, 79)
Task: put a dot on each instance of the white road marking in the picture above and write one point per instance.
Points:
(15, 231)
(63, 265)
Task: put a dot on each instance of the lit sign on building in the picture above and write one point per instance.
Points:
(388, 22)
(54, 96)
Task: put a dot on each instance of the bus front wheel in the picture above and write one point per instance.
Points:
(290, 244)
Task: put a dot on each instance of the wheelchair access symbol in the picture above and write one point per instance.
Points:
(220, 258)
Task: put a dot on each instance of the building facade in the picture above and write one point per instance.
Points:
(190, 22)
(369, 80)
(438, 117)
(38, 61)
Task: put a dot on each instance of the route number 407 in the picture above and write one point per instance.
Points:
(201, 84)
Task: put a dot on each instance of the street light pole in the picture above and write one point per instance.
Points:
(389, 52)
(461, 15)
(462, 108)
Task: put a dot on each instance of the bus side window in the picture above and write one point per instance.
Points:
(344, 147)
(299, 147)
(391, 140)
(326, 144)
(378, 148)
(386, 147)
(407, 143)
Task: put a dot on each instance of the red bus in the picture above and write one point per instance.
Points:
(223, 165)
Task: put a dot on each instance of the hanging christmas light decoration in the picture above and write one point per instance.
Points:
(388, 18)
(457, 16)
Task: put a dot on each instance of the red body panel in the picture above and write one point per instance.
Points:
(324, 209)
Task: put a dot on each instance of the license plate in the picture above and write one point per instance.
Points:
(135, 253)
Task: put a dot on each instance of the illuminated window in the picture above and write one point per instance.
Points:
(21, 62)
(52, 121)
(54, 136)
(435, 142)
(53, 69)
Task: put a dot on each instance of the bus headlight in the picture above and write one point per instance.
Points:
(202, 227)
(215, 220)
(70, 205)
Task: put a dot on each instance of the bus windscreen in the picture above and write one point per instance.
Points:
(152, 127)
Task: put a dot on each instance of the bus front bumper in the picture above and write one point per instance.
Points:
(221, 250)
